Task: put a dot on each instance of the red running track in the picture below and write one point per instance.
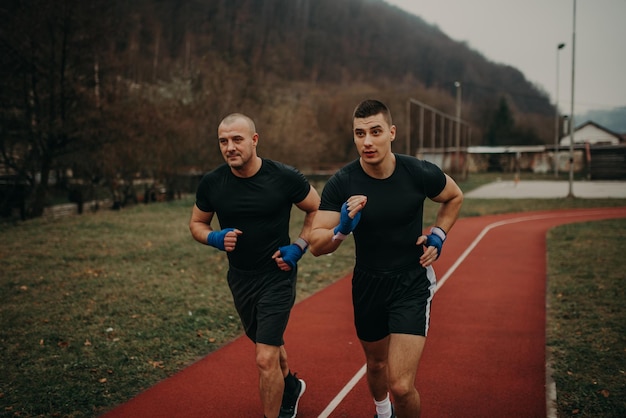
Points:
(484, 357)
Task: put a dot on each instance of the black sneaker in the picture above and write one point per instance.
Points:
(393, 414)
(289, 408)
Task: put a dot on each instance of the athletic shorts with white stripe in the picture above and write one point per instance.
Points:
(389, 303)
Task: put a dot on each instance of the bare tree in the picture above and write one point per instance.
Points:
(47, 96)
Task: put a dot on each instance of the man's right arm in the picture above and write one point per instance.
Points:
(200, 224)
(331, 228)
(200, 227)
(322, 232)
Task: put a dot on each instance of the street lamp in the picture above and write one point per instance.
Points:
(457, 84)
(556, 116)
(571, 115)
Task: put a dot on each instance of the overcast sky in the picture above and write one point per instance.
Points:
(525, 35)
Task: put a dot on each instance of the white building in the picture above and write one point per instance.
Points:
(592, 133)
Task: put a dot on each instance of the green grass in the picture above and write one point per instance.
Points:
(98, 307)
(587, 319)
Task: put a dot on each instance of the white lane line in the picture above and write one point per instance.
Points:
(489, 227)
(343, 393)
(355, 379)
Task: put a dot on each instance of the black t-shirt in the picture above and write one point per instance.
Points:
(391, 221)
(259, 206)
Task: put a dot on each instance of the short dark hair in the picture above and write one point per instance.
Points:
(371, 108)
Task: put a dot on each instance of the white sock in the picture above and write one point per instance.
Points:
(383, 408)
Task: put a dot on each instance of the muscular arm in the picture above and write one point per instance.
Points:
(310, 206)
(200, 224)
(451, 199)
(325, 222)
(200, 227)
(321, 237)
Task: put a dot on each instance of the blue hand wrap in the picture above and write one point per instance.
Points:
(436, 239)
(291, 254)
(347, 224)
(216, 238)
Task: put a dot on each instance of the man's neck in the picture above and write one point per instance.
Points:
(382, 170)
(249, 169)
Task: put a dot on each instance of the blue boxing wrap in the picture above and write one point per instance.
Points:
(436, 239)
(216, 238)
(291, 254)
(346, 224)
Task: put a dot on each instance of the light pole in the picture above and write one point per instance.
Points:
(556, 116)
(457, 84)
(571, 114)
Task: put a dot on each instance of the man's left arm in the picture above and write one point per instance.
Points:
(287, 257)
(310, 206)
(451, 200)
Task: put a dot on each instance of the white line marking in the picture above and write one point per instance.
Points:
(343, 393)
(355, 379)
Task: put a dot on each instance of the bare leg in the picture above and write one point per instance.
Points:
(376, 356)
(284, 366)
(271, 379)
(405, 352)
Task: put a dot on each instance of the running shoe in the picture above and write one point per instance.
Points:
(289, 408)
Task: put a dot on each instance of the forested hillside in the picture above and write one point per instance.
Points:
(115, 89)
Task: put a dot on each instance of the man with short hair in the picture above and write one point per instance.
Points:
(253, 197)
(380, 199)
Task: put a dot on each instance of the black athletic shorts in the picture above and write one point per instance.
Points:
(263, 301)
(392, 303)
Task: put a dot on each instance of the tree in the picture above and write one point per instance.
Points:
(113, 89)
(47, 105)
(501, 126)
